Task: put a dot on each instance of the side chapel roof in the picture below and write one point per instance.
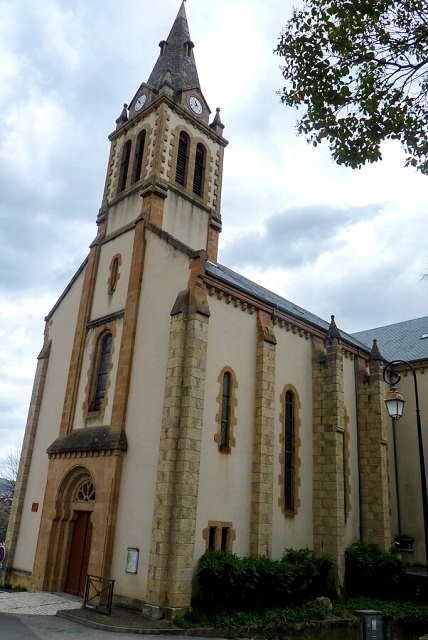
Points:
(237, 281)
(407, 340)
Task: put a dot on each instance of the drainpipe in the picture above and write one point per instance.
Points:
(357, 408)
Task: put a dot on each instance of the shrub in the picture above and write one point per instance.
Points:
(312, 573)
(228, 582)
(372, 572)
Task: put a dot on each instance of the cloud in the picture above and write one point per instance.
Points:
(330, 239)
(21, 341)
(295, 237)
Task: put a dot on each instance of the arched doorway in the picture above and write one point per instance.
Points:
(81, 538)
(72, 488)
(79, 554)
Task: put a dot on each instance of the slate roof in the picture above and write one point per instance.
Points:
(90, 439)
(400, 341)
(237, 281)
(175, 64)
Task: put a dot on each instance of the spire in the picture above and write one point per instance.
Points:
(123, 117)
(333, 332)
(176, 58)
(217, 124)
(375, 354)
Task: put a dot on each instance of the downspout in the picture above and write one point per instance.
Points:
(357, 408)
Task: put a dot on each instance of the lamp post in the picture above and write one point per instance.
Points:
(395, 404)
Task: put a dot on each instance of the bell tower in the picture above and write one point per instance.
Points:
(166, 150)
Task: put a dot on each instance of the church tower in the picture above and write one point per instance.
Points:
(102, 388)
(166, 150)
(178, 407)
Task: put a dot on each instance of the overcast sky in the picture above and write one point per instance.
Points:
(333, 240)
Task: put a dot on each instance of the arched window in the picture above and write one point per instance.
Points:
(289, 437)
(225, 411)
(139, 154)
(86, 492)
(289, 451)
(115, 263)
(101, 377)
(199, 175)
(182, 158)
(124, 166)
(226, 414)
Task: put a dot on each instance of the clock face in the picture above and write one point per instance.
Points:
(140, 102)
(195, 105)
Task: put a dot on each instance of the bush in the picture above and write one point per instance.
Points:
(312, 574)
(372, 572)
(228, 582)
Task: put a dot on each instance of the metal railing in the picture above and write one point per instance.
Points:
(99, 594)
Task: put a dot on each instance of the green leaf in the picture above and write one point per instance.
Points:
(359, 68)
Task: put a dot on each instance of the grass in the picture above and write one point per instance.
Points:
(343, 608)
(254, 619)
(407, 612)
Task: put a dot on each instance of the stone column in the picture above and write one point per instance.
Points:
(164, 498)
(174, 518)
(263, 445)
(373, 420)
(328, 433)
(124, 368)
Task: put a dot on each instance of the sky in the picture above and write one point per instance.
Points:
(331, 239)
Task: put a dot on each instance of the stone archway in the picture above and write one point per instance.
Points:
(76, 495)
(87, 460)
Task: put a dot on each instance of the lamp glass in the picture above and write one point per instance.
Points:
(394, 403)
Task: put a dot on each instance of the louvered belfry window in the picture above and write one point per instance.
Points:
(139, 154)
(124, 166)
(289, 451)
(199, 175)
(102, 373)
(183, 148)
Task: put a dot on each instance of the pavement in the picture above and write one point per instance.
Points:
(121, 621)
(36, 604)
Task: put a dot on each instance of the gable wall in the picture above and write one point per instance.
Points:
(103, 303)
(166, 273)
(61, 328)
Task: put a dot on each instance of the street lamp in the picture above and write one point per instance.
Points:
(395, 404)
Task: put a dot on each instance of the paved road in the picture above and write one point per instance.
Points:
(40, 627)
(32, 616)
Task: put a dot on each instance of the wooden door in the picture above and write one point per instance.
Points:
(79, 554)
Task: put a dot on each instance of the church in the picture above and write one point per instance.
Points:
(177, 406)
